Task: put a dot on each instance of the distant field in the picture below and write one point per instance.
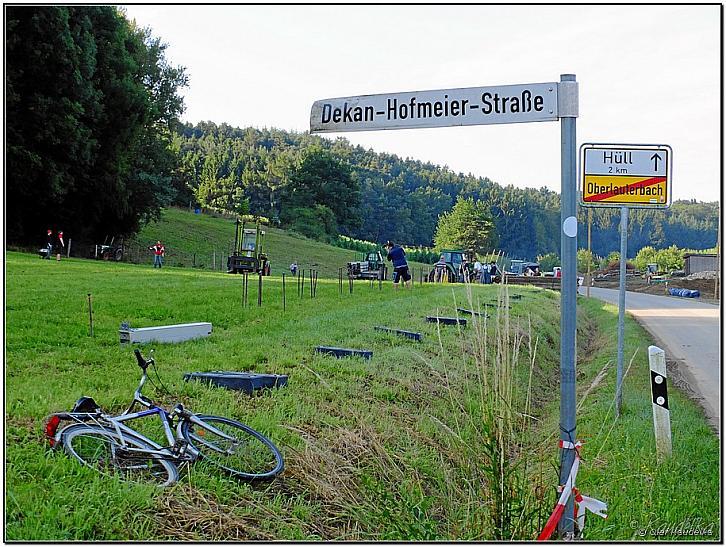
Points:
(396, 448)
(204, 240)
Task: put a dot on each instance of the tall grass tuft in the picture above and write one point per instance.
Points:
(494, 421)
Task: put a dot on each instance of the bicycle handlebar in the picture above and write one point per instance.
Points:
(140, 358)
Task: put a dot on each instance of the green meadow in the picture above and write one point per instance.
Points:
(452, 438)
(204, 241)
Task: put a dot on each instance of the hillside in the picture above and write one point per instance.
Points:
(203, 241)
(411, 445)
(401, 199)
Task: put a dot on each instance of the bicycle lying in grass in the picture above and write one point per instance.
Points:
(107, 444)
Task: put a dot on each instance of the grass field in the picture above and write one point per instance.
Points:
(204, 241)
(395, 448)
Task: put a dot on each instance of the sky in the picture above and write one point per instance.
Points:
(647, 74)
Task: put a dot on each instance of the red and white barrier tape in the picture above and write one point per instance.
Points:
(582, 503)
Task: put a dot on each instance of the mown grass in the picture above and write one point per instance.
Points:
(204, 241)
(371, 447)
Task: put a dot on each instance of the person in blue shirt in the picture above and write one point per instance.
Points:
(400, 267)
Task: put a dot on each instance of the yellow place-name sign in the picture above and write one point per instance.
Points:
(625, 175)
(625, 190)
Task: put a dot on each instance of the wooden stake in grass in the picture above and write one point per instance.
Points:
(259, 292)
(90, 315)
(302, 285)
(283, 292)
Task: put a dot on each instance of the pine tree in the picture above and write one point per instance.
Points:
(468, 226)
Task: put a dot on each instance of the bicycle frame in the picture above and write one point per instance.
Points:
(178, 450)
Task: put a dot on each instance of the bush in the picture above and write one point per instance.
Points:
(314, 222)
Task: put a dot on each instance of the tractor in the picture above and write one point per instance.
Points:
(248, 255)
(108, 250)
(371, 267)
(451, 271)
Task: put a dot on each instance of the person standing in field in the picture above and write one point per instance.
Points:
(61, 245)
(397, 255)
(486, 274)
(493, 271)
(49, 244)
(440, 270)
(159, 251)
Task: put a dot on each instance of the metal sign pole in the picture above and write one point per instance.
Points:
(621, 308)
(567, 96)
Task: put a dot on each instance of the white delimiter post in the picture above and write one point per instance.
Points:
(567, 99)
(659, 393)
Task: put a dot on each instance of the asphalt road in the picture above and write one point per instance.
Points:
(688, 331)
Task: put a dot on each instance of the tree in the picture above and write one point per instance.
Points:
(91, 107)
(586, 258)
(321, 179)
(645, 256)
(611, 261)
(670, 259)
(548, 261)
(467, 226)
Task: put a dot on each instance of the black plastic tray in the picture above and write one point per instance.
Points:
(239, 381)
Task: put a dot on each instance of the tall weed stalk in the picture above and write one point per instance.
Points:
(491, 435)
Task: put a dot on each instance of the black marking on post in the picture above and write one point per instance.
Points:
(406, 333)
(344, 352)
(447, 320)
(659, 389)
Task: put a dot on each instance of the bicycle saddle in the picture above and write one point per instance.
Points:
(86, 404)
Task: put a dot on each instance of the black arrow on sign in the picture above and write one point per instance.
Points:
(655, 158)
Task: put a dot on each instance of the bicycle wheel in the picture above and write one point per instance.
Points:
(102, 450)
(248, 455)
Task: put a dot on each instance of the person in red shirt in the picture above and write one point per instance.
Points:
(158, 254)
(61, 245)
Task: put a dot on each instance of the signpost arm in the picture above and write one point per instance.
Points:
(621, 308)
(568, 111)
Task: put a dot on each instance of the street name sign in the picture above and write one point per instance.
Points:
(440, 108)
(626, 175)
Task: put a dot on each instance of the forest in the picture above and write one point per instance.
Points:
(95, 146)
(402, 199)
